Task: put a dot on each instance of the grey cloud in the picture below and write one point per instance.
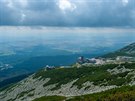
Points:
(89, 13)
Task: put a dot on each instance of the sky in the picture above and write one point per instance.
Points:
(68, 13)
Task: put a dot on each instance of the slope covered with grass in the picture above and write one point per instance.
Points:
(99, 75)
(125, 93)
(50, 98)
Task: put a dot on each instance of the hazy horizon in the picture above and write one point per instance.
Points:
(75, 40)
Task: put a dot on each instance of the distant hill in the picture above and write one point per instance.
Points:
(126, 51)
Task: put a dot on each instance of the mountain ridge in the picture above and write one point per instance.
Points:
(128, 50)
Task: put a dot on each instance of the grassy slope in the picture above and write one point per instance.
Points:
(96, 74)
(125, 93)
(50, 98)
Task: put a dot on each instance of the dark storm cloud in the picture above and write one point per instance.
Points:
(90, 13)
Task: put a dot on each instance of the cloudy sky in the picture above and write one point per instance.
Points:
(76, 13)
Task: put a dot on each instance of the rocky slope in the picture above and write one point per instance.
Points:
(71, 82)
